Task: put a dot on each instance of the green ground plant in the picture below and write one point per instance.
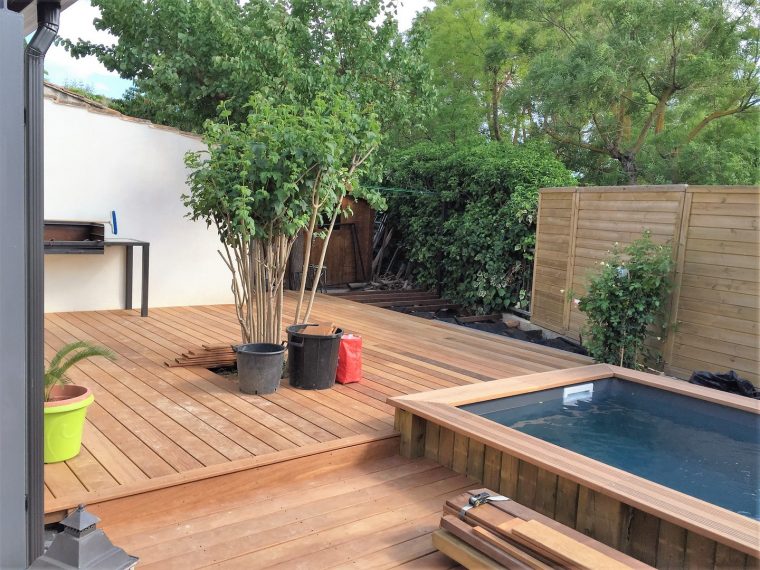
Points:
(625, 303)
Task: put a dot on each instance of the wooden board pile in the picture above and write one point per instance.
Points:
(222, 355)
(207, 356)
(505, 534)
(411, 300)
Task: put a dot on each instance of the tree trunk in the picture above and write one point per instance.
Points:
(296, 258)
(628, 163)
(674, 174)
(495, 94)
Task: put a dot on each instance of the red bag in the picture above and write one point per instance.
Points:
(349, 359)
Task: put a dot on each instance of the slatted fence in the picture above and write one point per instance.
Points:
(715, 236)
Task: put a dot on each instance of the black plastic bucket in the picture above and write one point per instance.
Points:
(259, 367)
(312, 359)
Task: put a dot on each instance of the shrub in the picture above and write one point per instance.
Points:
(473, 228)
(625, 300)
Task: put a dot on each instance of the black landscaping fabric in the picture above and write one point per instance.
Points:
(725, 382)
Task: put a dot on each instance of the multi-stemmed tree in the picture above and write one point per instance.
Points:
(261, 182)
(306, 88)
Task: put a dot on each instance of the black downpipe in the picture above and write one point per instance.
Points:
(48, 16)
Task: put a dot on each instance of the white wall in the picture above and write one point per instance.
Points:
(95, 163)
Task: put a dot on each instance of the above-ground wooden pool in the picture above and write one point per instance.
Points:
(652, 491)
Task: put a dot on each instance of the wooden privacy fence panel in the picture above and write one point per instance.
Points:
(715, 236)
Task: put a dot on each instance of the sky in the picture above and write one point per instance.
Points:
(76, 22)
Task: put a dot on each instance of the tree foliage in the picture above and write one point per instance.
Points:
(475, 58)
(625, 301)
(187, 56)
(651, 91)
(638, 81)
(472, 230)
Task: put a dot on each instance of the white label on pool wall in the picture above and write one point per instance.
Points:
(581, 392)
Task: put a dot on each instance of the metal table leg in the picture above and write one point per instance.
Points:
(145, 276)
(128, 284)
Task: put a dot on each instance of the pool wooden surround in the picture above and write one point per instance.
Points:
(653, 523)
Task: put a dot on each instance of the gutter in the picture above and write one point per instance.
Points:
(48, 18)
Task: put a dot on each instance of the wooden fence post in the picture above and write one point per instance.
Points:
(535, 257)
(679, 253)
(568, 302)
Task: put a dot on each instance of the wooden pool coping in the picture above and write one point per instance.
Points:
(716, 523)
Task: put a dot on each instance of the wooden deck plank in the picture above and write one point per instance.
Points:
(122, 407)
(151, 421)
(343, 470)
(354, 545)
(374, 512)
(134, 449)
(120, 467)
(156, 402)
(355, 523)
(156, 379)
(291, 507)
(417, 552)
(204, 386)
(271, 439)
(62, 481)
(265, 544)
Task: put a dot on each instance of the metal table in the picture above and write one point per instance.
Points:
(129, 245)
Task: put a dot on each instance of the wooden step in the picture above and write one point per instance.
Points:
(206, 481)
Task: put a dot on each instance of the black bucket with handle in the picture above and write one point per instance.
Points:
(312, 359)
(259, 367)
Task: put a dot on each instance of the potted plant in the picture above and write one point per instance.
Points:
(65, 403)
(259, 183)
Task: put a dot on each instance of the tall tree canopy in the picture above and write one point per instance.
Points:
(187, 56)
(624, 79)
(627, 90)
(475, 57)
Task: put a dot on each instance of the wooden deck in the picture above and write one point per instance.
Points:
(153, 426)
(359, 507)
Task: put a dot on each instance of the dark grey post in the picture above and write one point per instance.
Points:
(145, 279)
(128, 278)
(13, 489)
(48, 14)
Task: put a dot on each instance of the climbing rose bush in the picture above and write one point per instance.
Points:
(626, 301)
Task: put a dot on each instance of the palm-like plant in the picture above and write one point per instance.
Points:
(67, 357)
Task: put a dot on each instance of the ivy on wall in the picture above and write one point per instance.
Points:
(472, 229)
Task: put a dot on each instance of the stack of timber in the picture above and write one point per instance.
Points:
(207, 356)
(408, 301)
(223, 355)
(505, 534)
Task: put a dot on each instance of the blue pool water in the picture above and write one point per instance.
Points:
(705, 450)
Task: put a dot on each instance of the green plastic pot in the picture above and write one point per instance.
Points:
(65, 412)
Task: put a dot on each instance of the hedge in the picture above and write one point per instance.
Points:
(471, 226)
